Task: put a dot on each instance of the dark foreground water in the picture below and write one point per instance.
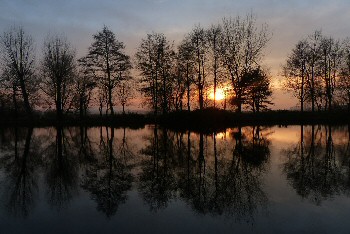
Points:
(292, 179)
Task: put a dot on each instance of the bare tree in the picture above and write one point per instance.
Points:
(9, 91)
(314, 41)
(241, 50)
(109, 62)
(18, 56)
(84, 83)
(155, 58)
(295, 72)
(314, 70)
(186, 65)
(330, 65)
(213, 38)
(125, 92)
(58, 72)
(344, 79)
(199, 48)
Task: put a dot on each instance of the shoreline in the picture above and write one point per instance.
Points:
(208, 119)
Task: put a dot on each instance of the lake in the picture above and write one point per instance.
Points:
(255, 179)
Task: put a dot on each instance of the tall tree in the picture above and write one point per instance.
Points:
(186, 65)
(155, 58)
(241, 50)
(109, 62)
(344, 79)
(18, 56)
(295, 71)
(58, 73)
(213, 38)
(178, 86)
(330, 65)
(84, 83)
(199, 48)
(314, 41)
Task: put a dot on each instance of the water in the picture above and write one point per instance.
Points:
(247, 180)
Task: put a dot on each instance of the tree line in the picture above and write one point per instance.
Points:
(60, 81)
(317, 71)
(225, 57)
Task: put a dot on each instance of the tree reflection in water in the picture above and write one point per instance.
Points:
(109, 178)
(61, 165)
(157, 179)
(220, 174)
(20, 163)
(314, 168)
(205, 176)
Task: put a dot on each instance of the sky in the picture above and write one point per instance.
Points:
(131, 20)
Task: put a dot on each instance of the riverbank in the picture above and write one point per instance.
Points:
(205, 119)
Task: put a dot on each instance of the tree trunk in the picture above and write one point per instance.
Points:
(25, 96)
(200, 96)
(59, 101)
(215, 80)
(81, 107)
(188, 88)
(164, 93)
(110, 99)
(239, 104)
(302, 88)
(312, 87)
(14, 101)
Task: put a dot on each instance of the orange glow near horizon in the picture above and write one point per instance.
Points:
(219, 95)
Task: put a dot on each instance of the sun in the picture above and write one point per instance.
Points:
(220, 94)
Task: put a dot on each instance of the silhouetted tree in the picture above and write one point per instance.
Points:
(109, 63)
(178, 87)
(186, 65)
(296, 73)
(125, 92)
(18, 55)
(331, 55)
(84, 84)
(258, 91)
(242, 44)
(198, 48)
(9, 92)
(154, 58)
(315, 71)
(58, 73)
(313, 51)
(344, 80)
(214, 36)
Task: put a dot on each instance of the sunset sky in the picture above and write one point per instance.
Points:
(131, 20)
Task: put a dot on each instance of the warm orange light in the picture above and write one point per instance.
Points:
(219, 95)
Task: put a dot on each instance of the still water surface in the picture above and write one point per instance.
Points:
(245, 180)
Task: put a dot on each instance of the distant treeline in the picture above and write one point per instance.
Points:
(226, 57)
